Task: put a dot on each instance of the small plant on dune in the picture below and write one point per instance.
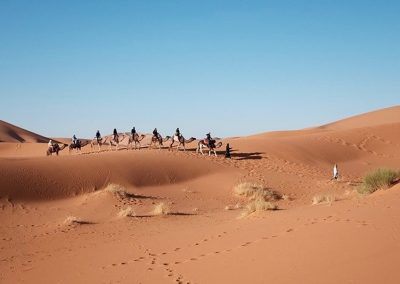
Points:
(323, 199)
(72, 220)
(117, 190)
(255, 191)
(259, 198)
(380, 179)
(258, 205)
(127, 212)
(161, 209)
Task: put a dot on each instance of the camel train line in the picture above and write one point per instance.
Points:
(134, 143)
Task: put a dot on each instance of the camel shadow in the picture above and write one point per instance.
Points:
(247, 156)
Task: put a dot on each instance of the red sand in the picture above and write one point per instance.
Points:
(352, 240)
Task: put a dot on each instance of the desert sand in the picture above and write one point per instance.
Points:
(90, 217)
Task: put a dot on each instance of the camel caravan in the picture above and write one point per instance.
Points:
(134, 142)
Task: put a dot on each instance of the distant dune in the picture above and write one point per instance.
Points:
(380, 117)
(12, 133)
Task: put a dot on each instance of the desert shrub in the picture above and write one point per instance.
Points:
(323, 199)
(72, 220)
(379, 179)
(127, 212)
(254, 191)
(161, 209)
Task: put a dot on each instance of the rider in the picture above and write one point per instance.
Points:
(50, 144)
(115, 134)
(155, 133)
(209, 140)
(133, 131)
(74, 140)
(98, 136)
(178, 133)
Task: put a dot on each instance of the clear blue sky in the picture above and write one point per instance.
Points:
(229, 67)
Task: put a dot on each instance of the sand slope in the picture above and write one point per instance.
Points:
(117, 237)
(12, 133)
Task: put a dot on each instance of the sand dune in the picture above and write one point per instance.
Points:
(12, 133)
(89, 217)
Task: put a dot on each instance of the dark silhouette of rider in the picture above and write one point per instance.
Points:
(209, 139)
(155, 132)
(115, 134)
(133, 131)
(74, 140)
(98, 136)
(178, 133)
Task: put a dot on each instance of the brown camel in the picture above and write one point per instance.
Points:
(98, 142)
(181, 142)
(55, 149)
(158, 140)
(78, 145)
(209, 144)
(135, 139)
(115, 140)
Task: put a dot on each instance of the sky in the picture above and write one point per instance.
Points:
(226, 67)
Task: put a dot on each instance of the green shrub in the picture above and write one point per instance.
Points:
(380, 179)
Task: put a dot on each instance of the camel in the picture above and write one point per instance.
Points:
(181, 141)
(55, 149)
(211, 146)
(159, 140)
(116, 140)
(98, 142)
(78, 146)
(135, 139)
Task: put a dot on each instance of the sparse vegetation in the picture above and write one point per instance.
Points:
(255, 191)
(161, 209)
(379, 179)
(72, 220)
(117, 190)
(233, 207)
(258, 205)
(259, 198)
(324, 199)
(127, 212)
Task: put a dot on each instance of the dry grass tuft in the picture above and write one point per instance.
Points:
(254, 191)
(127, 212)
(233, 207)
(380, 179)
(72, 220)
(324, 199)
(258, 206)
(117, 190)
(260, 198)
(161, 209)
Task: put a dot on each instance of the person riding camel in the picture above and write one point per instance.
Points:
(115, 133)
(51, 144)
(133, 132)
(155, 133)
(178, 133)
(74, 140)
(98, 136)
(209, 140)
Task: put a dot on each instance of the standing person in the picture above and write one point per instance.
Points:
(228, 151)
(335, 172)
